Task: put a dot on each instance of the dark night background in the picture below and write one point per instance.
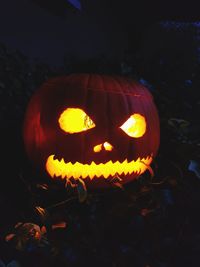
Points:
(152, 223)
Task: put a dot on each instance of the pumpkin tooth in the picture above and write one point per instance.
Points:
(92, 175)
(90, 178)
(125, 172)
(98, 169)
(84, 173)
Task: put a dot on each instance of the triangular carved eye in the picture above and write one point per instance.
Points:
(135, 126)
(75, 120)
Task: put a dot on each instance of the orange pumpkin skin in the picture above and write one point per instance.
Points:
(108, 102)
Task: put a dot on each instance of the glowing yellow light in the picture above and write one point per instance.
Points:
(97, 148)
(75, 120)
(135, 126)
(108, 146)
(59, 168)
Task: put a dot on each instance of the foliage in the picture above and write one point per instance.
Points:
(153, 221)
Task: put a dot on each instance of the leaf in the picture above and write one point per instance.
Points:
(59, 225)
(13, 264)
(149, 169)
(24, 235)
(145, 189)
(43, 214)
(178, 123)
(116, 178)
(194, 167)
(144, 212)
(40, 210)
(82, 190)
(43, 230)
(42, 186)
(167, 196)
(70, 183)
(172, 181)
(119, 185)
(117, 181)
(18, 224)
(21, 243)
(75, 3)
(9, 237)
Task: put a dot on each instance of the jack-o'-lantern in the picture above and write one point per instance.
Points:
(92, 128)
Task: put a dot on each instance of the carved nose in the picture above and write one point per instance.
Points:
(105, 146)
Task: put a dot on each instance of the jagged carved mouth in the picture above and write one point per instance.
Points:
(77, 170)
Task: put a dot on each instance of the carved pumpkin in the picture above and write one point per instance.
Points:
(93, 128)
